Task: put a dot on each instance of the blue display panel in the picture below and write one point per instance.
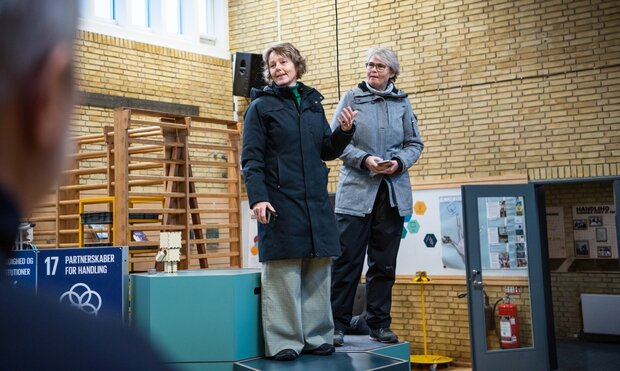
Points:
(21, 269)
(93, 280)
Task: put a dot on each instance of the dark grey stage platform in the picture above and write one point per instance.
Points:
(359, 353)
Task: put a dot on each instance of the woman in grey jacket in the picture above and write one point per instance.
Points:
(374, 194)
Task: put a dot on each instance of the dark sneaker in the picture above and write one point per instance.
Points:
(338, 338)
(323, 350)
(384, 335)
(286, 355)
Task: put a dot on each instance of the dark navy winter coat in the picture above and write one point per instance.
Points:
(283, 152)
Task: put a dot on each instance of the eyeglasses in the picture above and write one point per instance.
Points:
(380, 67)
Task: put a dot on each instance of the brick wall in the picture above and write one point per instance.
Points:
(447, 318)
(500, 87)
(120, 67)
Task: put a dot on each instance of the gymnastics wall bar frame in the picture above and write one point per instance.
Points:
(192, 162)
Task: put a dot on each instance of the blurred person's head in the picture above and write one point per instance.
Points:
(36, 94)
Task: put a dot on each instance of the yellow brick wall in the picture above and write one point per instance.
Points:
(447, 318)
(110, 65)
(500, 87)
(447, 322)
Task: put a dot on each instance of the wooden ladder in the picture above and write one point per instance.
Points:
(179, 166)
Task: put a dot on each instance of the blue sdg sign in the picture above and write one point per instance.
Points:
(21, 270)
(93, 280)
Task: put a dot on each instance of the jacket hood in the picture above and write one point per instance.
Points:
(395, 93)
(282, 91)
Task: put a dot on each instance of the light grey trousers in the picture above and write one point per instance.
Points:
(295, 298)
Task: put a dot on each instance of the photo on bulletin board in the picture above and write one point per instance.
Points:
(502, 209)
(502, 234)
(582, 248)
(595, 220)
(601, 234)
(504, 259)
(604, 252)
(580, 224)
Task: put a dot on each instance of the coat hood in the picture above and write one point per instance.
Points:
(395, 93)
(282, 91)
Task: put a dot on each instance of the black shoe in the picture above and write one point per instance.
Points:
(324, 350)
(286, 355)
(338, 338)
(384, 335)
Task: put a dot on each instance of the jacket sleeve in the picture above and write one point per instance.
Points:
(412, 143)
(351, 155)
(253, 156)
(335, 142)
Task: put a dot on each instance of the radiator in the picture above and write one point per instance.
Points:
(600, 314)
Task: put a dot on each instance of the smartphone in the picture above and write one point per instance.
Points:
(384, 163)
(271, 218)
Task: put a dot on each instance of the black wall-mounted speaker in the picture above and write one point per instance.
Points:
(248, 73)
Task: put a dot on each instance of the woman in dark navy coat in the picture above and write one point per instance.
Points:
(285, 141)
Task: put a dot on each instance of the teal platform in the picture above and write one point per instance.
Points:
(211, 320)
(200, 320)
(337, 361)
(359, 353)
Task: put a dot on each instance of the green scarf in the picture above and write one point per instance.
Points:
(295, 90)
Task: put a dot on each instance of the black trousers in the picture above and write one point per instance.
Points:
(379, 233)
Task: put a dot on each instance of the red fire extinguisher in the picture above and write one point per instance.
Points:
(508, 324)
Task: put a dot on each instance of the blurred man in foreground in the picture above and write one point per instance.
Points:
(36, 99)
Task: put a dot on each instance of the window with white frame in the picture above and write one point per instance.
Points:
(172, 16)
(104, 9)
(199, 26)
(206, 19)
(99, 10)
(140, 11)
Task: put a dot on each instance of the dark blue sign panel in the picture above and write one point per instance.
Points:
(21, 269)
(93, 280)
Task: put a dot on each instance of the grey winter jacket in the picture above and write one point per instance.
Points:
(385, 127)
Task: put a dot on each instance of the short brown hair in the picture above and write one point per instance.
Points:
(288, 50)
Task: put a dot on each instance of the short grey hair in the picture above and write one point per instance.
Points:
(30, 29)
(386, 56)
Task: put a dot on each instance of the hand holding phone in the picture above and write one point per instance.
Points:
(263, 212)
(385, 163)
